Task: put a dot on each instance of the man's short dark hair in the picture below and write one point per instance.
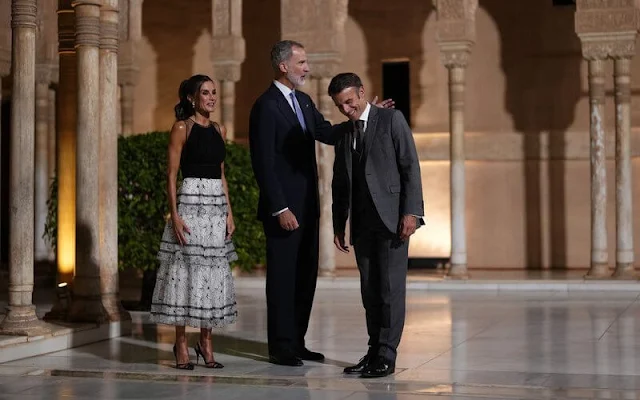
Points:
(342, 81)
(282, 51)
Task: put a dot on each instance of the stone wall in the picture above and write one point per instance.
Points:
(527, 114)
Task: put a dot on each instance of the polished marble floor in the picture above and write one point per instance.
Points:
(456, 345)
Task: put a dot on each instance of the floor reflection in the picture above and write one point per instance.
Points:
(456, 345)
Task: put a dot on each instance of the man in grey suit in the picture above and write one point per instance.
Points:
(376, 180)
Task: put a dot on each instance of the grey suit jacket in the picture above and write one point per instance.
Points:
(392, 170)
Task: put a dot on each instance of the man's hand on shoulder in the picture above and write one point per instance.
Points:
(388, 103)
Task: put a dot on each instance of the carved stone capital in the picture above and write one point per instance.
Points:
(127, 74)
(456, 30)
(227, 49)
(87, 23)
(227, 71)
(456, 20)
(456, 9)
(23, 13)
(109, 34)
(324, 65)
(43, 73)
(600, 47)
(455, 54)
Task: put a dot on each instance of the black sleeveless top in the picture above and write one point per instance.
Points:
(203, 152)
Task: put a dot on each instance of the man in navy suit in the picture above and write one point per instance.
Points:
(284, 125)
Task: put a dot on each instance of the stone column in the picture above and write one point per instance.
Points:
(319, 26)
(66, 117)
(41, 162)
(5, 70)
(51, 151)
(126, 109)
(599, 265)
(456, 65)
(455, 37)
(325, 157)
(46, 49)
(228, 103)
(608, 29)
(130, 34)
(65, 160)
(108, 161)
(86, 305)
(21, 314)
(51, 160)
(228, 54)
(624, 195)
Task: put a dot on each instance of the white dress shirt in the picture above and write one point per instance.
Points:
(363, 117)
(286, 92)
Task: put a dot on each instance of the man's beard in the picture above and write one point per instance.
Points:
(295, 79)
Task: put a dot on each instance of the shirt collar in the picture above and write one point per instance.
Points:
(283, 88)
(365, 114)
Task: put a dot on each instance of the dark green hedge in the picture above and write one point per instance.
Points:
(142, 202)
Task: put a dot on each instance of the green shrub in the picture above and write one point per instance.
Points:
(143, 206)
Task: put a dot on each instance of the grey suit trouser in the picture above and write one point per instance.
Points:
(382, 260)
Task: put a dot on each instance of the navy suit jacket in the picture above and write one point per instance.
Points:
(283, 155)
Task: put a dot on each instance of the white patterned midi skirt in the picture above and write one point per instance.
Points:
(194, 286)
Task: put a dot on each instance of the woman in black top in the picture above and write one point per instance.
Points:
(194, 286)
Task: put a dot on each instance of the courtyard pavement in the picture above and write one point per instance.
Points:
(456, 345)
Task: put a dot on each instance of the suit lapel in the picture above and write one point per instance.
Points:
(283, 105)
(371, 131)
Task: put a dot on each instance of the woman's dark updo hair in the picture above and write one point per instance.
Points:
(190, 87)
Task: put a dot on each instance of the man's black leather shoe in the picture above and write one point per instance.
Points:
(306, 354)
(378, 368)
(288, 360)
(360, 366)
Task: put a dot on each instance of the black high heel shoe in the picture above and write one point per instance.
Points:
(207, 364)
(188, 365)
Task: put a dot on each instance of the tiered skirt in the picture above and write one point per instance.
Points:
(194, 285)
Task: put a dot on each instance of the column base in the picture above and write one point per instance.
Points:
(457, 271)
(57, 313)
(22, 321)
(625, 271)
(114, 309)
(598, 271)
(87, 309)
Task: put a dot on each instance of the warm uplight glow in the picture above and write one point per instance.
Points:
(434, 239)
(66, 211)
(66, 120)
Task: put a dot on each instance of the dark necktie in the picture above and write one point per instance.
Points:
(358, 135)
(298, 110)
